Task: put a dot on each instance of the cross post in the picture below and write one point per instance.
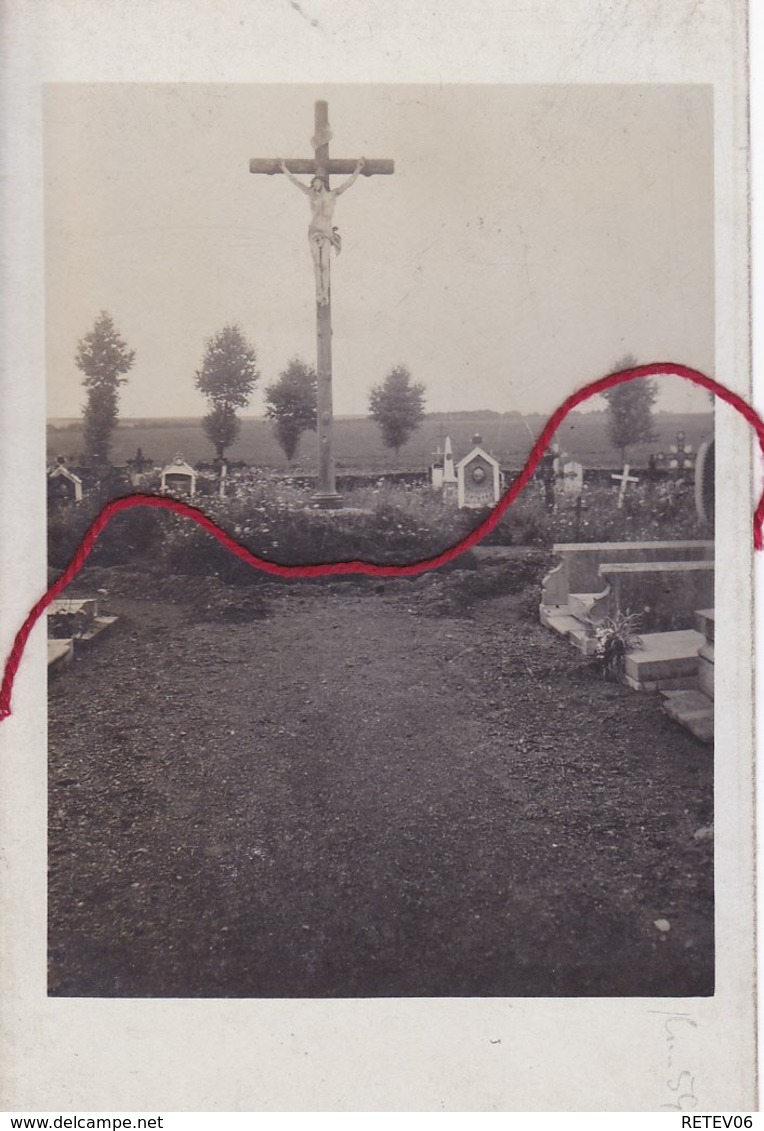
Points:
(323, 166)
(624, 478)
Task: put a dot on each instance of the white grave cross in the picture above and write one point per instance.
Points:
(624, 478)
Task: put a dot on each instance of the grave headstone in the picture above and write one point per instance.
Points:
(571, 480)
(436, 470)
(449, 468)
(478, 480)
(64, 485)
(179, 477)
(443, 472)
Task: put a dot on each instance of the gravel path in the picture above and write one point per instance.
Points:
(355, 797)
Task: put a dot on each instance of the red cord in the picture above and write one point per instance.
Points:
(658, 369)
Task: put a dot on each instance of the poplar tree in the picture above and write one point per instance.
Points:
(397, 406)
(104, 358)
(291, 405)
(630, 410)
(227, 377)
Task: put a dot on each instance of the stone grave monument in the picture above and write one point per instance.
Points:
(74, 623)
(669, 585)
(571, 481)
(449, 473)
(64, 485)
(478, 479)
(443, 471)
(178, 477)
(436, 470)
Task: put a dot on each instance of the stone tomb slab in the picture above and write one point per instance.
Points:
(86, 622)
(667, 661)
(572, 629)
(693, 710)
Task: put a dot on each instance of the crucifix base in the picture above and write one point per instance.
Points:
(327, 500)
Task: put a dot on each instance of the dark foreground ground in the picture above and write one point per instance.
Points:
(361, 794)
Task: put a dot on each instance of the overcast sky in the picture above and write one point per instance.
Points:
(529, 238)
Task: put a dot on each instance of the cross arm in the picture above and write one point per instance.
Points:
(337, 165)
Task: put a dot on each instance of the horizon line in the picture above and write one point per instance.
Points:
(456, 412)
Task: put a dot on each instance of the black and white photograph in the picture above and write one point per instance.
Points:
(336, 318)
(466, 823)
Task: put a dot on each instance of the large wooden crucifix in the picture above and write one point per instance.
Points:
(323, 237)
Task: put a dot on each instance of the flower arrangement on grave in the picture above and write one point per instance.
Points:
(616, 636)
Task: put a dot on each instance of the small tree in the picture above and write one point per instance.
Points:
(104, 358)
(397, 406)
(630, 409)
(221, 426)
(227, 378)
(291, 404)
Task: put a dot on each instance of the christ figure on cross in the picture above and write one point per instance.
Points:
(322, 234)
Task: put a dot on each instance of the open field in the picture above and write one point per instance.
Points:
(358, 445)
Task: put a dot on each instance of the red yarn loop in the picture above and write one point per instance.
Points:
(657, 369)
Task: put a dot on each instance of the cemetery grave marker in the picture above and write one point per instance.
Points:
(572, 589)
(450, 479)
(624, 478)
(64, 484)
(478, 480)
(436, 470)
(73, 624)
(179, 476)
(572, 480)
(443, 472)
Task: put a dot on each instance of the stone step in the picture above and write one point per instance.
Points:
(692, 710)
(60, 653)
(666, 661)
(704, 622)
(97, 626)
(706, 670)
(571, 628)
(580, 604)
(546, 612)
